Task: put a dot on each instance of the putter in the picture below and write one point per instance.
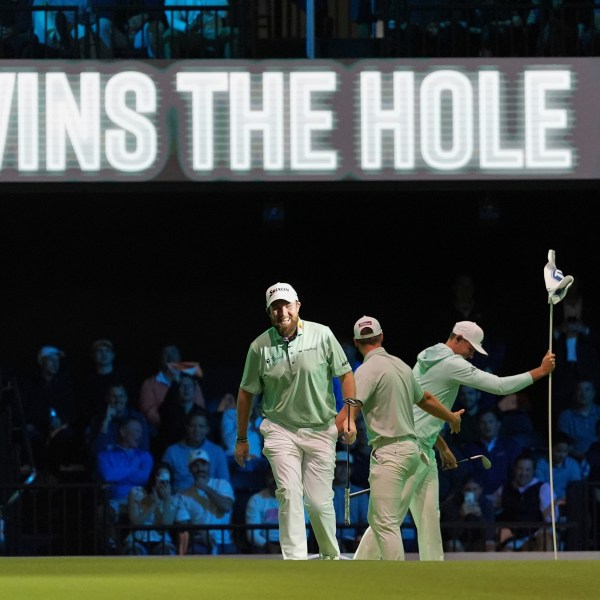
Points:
(485, 461)
(350, 402)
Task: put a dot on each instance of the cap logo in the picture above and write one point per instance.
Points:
(281, 289)
(365, 323)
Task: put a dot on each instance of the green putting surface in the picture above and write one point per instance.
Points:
(216, 578)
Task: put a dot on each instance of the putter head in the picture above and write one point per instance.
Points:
(352, 402)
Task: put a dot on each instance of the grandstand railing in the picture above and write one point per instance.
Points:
(65, 519)
(412, 28)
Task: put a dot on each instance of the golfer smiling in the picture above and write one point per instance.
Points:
(441, 369)
(292, 365)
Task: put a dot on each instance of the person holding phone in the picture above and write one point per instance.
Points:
(469, 505)
(155, 506)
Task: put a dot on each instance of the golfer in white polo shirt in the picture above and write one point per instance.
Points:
(292, 365)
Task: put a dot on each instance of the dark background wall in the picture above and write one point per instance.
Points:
(189, 264)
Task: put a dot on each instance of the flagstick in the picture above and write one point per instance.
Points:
(551, 332)
(556, 285)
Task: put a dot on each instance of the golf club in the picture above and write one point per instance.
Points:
(357, 403)
(485, 461)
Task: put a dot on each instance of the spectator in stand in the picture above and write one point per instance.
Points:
(470, 399)
(103, 432)
(198, 32)
(208, 501)
(576, 348)
(156, 505)
(348, 537)
(525, 499)
(93, 385)
(155, 388)
(140, 25)
(196, 438)
(593, 459)
(179, 402)
(579, 422)
(467, 504)
(64, 33)
(262, 509)
(502, 453)
(49, 407)
(120, 468)
(517, 423)
(565, 469)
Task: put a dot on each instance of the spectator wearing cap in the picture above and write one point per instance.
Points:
(208, 501)
(49, 407)
(197, 428)
(102, 373)
(348, 537)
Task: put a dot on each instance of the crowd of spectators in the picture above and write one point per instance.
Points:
(175, 29)
(162, 449)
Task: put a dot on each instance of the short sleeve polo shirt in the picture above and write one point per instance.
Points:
(295, 378)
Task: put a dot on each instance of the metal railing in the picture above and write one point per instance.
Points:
(281, 29)
(65, 519)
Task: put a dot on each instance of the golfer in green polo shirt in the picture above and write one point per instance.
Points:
(292, 364)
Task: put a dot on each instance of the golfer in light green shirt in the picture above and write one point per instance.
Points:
(292, 365)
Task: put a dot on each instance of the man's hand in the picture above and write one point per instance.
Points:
(448, 459)
(349, 433)
(456, 422)
(241, 453)
(548, 362)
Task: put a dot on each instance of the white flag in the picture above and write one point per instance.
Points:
(556, 283)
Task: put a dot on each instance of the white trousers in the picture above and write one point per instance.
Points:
(391, 467)
(422, 491)
(303, 463)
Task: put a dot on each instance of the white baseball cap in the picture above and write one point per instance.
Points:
(198, 454)
(364, 323)
(281, 291)
(472, 333)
